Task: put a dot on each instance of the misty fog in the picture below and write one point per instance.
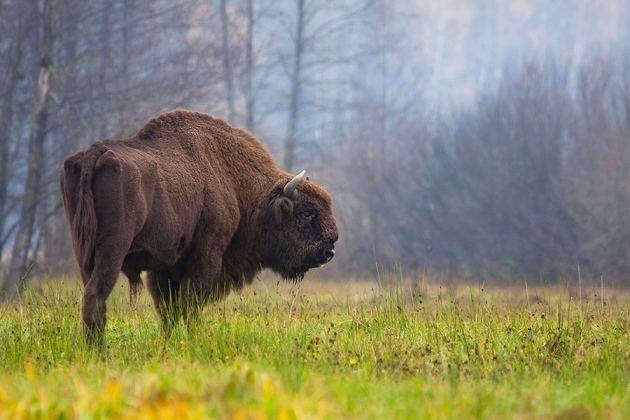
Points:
(473, 139)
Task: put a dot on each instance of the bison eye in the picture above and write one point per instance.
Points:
(307, 215)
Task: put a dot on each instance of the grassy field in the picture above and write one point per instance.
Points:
(322, 350)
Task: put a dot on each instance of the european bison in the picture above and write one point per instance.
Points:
(200, 205)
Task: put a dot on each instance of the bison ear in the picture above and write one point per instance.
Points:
(281, 206)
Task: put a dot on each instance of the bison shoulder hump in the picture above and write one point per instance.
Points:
(175, 121)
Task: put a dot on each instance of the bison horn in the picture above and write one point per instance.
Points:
(290, 189)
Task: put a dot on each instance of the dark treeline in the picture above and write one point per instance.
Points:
(529, 178)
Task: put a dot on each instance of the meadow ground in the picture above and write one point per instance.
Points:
(324, 350)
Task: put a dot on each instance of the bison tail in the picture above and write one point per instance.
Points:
(78, 200)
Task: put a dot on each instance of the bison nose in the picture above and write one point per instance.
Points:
(329, 254)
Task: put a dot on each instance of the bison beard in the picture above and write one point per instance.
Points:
(198, 204)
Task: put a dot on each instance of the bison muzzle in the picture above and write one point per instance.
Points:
(198, 204)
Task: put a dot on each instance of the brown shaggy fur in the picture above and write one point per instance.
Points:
(197, 203)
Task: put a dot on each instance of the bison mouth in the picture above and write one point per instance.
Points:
(317, 259)
(322, 256)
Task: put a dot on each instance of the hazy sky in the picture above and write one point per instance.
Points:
(468, 43)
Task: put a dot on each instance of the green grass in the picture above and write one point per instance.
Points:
(323, 350)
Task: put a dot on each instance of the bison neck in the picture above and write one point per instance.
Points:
(244, 258)
(250, 174)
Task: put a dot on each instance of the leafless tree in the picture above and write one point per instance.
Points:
(31, 197)
(249, 93)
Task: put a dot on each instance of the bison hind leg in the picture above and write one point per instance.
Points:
(94, 310)
(97, 290)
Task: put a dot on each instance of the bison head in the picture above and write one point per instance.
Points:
(300, 227)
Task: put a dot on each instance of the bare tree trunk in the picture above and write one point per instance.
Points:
(21, 247)
(105, 60)
(296, 86)
(249, 68)
(227, 63)
(126, 45)
(54, 239)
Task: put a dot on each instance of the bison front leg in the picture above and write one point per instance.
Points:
(201, 284)
(166, 295)
(135, 285)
